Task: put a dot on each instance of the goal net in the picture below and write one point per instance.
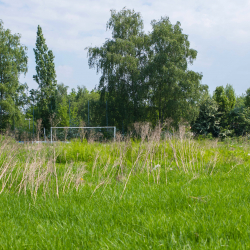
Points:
(88, 133)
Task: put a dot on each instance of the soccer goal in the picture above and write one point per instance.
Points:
(90, 133)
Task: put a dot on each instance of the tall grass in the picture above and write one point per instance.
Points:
(153, 191)
(58, 168)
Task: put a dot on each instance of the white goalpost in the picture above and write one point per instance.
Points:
(67, 128)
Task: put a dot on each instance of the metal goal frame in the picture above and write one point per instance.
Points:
(51, 128)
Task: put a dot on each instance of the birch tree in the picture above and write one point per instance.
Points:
(121, 62)
(175, 89)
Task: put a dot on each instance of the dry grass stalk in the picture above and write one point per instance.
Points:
(66, 130)
(82, 131)
(91, 136)
(38, 173)
(38, 128)
(94, 165)
(174, 152)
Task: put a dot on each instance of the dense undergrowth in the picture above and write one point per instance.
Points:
(169, 192)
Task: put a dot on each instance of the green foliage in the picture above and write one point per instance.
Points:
(62, 105)
(230, 94)
(13, 62)
(71, 108)
(145, 76)
(222, 100)
(207, 120)
(240, 120)
(121, 61)
(247, 98)
(240, 101)
(225, 99)
(89, 102)
(45, 77)
(63, 113)
(175, 89)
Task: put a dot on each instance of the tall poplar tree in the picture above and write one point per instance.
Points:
(45, 78)
(13, 62)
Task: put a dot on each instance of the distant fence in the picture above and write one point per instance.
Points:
(62, 134)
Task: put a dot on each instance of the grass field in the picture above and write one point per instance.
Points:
(152, 193)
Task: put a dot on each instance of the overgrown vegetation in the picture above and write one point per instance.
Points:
(159, 191)
(144, 78)
(148, 188)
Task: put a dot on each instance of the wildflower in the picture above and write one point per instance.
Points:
(157, 166)
(81, 179)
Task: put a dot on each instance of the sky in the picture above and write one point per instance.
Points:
(218, 29)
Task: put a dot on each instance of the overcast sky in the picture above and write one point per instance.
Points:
(218, 29)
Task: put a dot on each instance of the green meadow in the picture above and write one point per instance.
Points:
(154, 192)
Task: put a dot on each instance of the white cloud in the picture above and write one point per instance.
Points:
(65, 21)
(71, 25)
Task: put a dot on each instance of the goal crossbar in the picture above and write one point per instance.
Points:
(84, 128)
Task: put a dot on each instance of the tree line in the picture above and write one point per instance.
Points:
(144, 77)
